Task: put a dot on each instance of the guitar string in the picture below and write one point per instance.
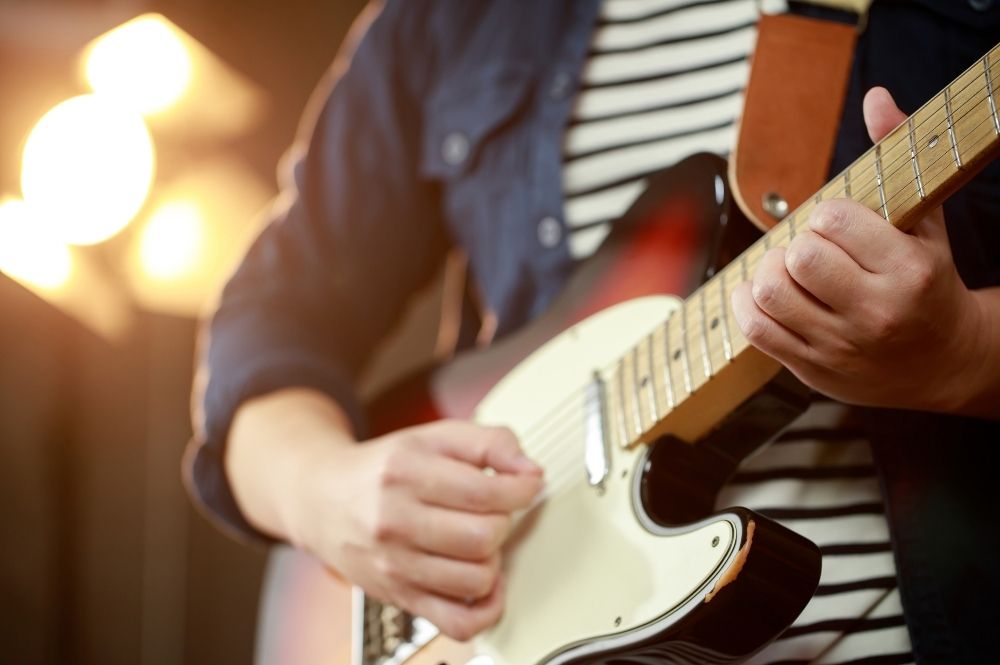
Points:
(552, 453)
(578, 395)
(904, 164)
(563, 465)
(573, 397)
(902, 160)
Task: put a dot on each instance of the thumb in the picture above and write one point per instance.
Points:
(493, 447)
(881, 117)
(881, 113)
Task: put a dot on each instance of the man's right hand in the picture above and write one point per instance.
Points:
(416, 519)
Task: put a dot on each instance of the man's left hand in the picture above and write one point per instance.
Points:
(862, 311)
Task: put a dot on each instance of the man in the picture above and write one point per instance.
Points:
(455, 123)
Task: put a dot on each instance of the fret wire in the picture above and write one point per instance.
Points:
(951, 127)
(706, 359)
(688, 379)
(879, 166)
(965, 114)
(727, 346)
(744, 263)
(913, 159)
(878, 180)
(979, 124)
(636, 411)
(791, 224)
(947, 95)
(654, 409)
(847, 190)
(651, 368)
(622, 423)
(671, 399)
(989, 93)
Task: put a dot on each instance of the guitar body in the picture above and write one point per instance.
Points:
(637, 568)
(592, 576)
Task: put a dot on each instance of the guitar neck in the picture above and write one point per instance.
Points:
(697, 366)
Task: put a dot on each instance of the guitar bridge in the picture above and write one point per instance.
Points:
(384, 634)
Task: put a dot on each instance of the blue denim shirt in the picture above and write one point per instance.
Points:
(446, 127)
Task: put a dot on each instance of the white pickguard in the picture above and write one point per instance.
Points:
(582, 566)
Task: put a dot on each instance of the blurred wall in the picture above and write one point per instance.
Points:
(102, 559)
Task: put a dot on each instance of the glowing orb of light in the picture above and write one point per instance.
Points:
(144, 63)
(26, 254)
(87, 168)
(171, 242)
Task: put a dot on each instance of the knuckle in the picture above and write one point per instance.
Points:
(830, 217)
(385, 567)
(492, 616)
(478, 496)
(464, 628)
(487, 536)
(883, 325)
(504, 437)
(765, 292)
(389, 470)
(802, 254)
(481, 581)
(922, 276)
(480, 543)
(384, 526)
(754, 330)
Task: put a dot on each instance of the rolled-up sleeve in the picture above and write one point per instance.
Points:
(353, 234)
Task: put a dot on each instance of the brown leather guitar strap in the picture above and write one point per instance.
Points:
(794, 100)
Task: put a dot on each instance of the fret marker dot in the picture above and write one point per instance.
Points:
(644, 382)
(677, 354)
(714, 324)
(933, 141)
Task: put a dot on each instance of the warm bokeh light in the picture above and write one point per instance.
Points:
(26, 254)
(172, 241)
(143, 63)
(87, 168)
(197, 229)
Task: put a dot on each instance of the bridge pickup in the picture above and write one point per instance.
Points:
(596, 455)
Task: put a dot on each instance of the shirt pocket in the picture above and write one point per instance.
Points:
(465, 113)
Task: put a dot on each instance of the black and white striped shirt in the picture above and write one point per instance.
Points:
(664, 79)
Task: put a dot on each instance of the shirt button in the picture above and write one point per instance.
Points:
(549, 232)
(981, 5)
(562, 84)
(455, 148)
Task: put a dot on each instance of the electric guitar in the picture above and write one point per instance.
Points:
(640, 406)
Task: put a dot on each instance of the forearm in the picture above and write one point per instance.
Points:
(273, 441)
(979, 386)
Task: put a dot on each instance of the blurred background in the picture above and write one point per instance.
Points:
(138, 144)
